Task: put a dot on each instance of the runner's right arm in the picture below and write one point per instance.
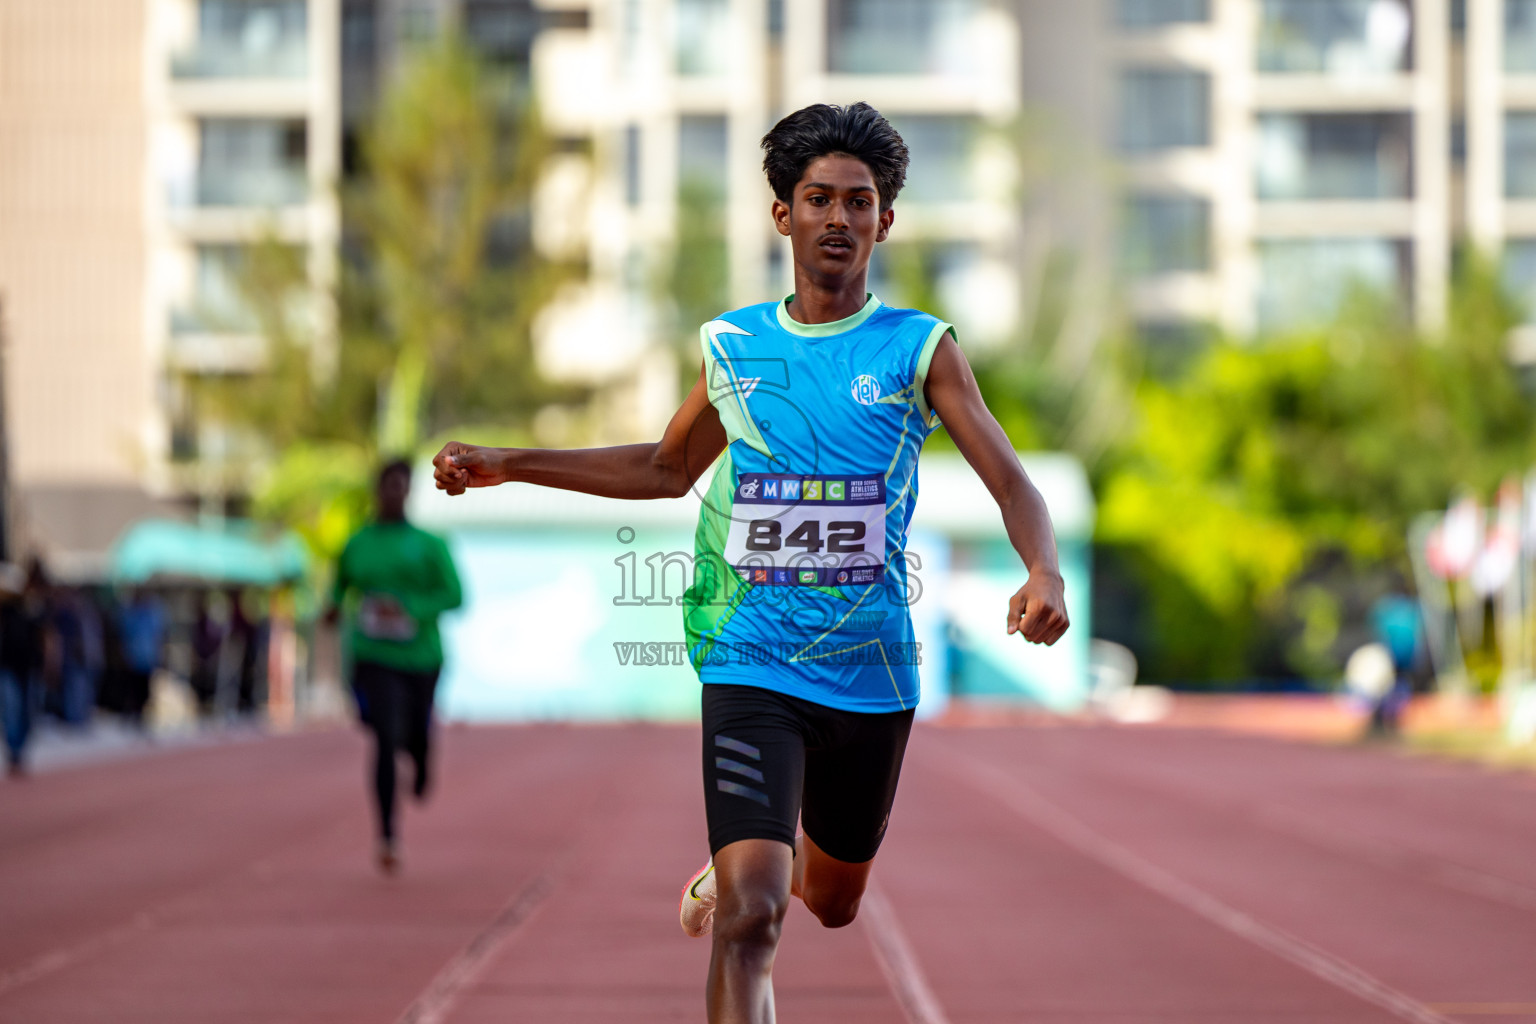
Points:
(663, 469)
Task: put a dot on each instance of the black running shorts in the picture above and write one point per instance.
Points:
(770, 759)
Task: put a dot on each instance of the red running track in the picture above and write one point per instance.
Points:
(1042, 875)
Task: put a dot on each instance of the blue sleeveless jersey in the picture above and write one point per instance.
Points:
(800, 580)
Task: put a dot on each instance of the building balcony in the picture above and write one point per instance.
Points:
(1379, 218)
(1327, 93)
(253, 188)
(223, 318)
(206, 341)
(221, 59)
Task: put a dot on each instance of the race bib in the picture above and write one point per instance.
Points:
(383, 617)
(808, 531)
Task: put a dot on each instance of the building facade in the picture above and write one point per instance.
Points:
(673, 97)
(144, 144)
(1239, 163)
(1279, 152)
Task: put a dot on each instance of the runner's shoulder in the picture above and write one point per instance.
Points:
(897, 317)
(749, 318)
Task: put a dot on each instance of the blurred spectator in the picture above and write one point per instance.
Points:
(79, 655)
(207, 645)
(248, 632)
(1397, 622)
(22, 613)
(141, 630)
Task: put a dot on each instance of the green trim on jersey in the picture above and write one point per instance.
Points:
(924, 359)
(716, 591)
(847, 323)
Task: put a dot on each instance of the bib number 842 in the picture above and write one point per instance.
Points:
(843, 537)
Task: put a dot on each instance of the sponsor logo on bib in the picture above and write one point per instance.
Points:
(865, 389)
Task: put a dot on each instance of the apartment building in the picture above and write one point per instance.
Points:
(675, 95)
(1277, 152)
(144, 145)
(243, 107)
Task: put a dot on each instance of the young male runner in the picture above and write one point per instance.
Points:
(797, 618)
(395, 580)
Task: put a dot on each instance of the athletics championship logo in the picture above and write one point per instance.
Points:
(865, 389)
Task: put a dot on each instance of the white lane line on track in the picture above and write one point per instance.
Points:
(434, 1002)
(1045, 815)
(1429, 867)
(897, 961)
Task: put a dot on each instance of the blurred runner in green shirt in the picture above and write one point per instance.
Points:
(392, 583)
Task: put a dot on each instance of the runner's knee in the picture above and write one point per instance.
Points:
(750, 918)
(833, 908)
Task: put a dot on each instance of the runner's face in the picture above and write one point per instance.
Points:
(835, 219)
(394, 488)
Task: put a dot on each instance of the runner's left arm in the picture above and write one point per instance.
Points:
(339, 586)
(1038, 609)
(663, 469)
(449, 593)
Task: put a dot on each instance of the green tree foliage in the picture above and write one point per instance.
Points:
(696, 283)
(428, 327)
(1260, 494)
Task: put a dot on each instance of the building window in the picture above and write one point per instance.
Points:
(701, 156)
(901, 37)
(1164, 108)
(942, 168)
(1169, 347)
(1520, 274)
(1335, 36)
(1166, 233)
(359, 33)
(417, 22)
(250, 161)
(501, 31)
(1152, 13)
(941, 277)
(1520, 35)
(1305, 282)
(1335, 156)
(218, 304)
(247, 39)
(703, 37)
(1520, 155)
(632, 164)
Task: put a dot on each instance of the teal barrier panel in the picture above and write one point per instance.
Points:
(572, 602)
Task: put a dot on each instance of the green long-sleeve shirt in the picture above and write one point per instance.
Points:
(396, 560)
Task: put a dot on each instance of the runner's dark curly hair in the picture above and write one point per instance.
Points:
(394, 465)
(820, 130)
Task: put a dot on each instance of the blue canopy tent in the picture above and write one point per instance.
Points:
(233, 552)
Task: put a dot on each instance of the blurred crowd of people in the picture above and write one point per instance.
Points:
(69, 652)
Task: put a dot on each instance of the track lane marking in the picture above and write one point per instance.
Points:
(1288, 820)
(437, 999)
(1487, 1009)
(1045, 815)
(897, 961)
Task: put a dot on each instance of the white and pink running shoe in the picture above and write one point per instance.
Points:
(697, 909)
